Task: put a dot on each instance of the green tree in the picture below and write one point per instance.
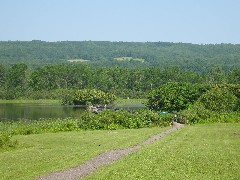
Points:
(2, 81)
(216, 75)
(88, 96)
(2, 76)
(52, 77)
(220, 100)
(175, 96)
(234, 76)
(16, 81)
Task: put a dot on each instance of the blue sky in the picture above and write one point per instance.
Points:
(192, 21)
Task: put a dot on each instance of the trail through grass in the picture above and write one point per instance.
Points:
(40, 154)
(195, 152)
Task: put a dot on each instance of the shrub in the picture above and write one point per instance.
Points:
(175, 96)
(87, 96)
(110, 120)
(213, 105)
(6, 142)
(219, 100)
(197, 113)
(105, 120)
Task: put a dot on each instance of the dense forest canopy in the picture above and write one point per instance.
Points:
(38, 69)
(49, 81)
(126, 54)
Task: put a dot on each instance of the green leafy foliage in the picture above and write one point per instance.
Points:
(60, 76)
(88, 96)
(219, 100)
(219, 104)
(6, 141)
(103, 54)
(234, 88)
(107, 119)
(197, 102)
(19, 81)
(121, 119)
(199, 114)
(16, 81)
(175, 96)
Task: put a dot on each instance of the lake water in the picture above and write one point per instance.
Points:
(16, 111)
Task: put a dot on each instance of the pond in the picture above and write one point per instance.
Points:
(16, 111)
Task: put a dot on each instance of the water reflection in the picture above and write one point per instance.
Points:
(12, 111)
(16, 111)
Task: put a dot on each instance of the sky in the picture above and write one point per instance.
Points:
(187, 21)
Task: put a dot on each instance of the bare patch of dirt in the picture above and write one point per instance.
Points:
(103, 159)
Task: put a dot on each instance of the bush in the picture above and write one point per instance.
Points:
(216, 105)
(197, 113)
(219, 100)
(175, 96)
(105, 120)
(6, 142)
(87, 96)
(120, 119)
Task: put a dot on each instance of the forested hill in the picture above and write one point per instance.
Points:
(131, 54)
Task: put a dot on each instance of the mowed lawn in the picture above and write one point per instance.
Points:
(40, 154)
(194, 152)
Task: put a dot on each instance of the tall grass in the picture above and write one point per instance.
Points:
(107, 119)
(6, 142)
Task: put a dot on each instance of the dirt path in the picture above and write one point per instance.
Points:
(103, 159)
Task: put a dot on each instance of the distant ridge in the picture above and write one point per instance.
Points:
(197, 57)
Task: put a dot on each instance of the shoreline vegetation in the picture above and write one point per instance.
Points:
(117, 102)
(32, 101)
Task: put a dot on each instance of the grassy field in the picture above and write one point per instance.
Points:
(129, 59)
(40, 154)
(77, 60)
(195, 152)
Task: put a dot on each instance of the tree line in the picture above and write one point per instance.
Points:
(51, 81)
(107, 54)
